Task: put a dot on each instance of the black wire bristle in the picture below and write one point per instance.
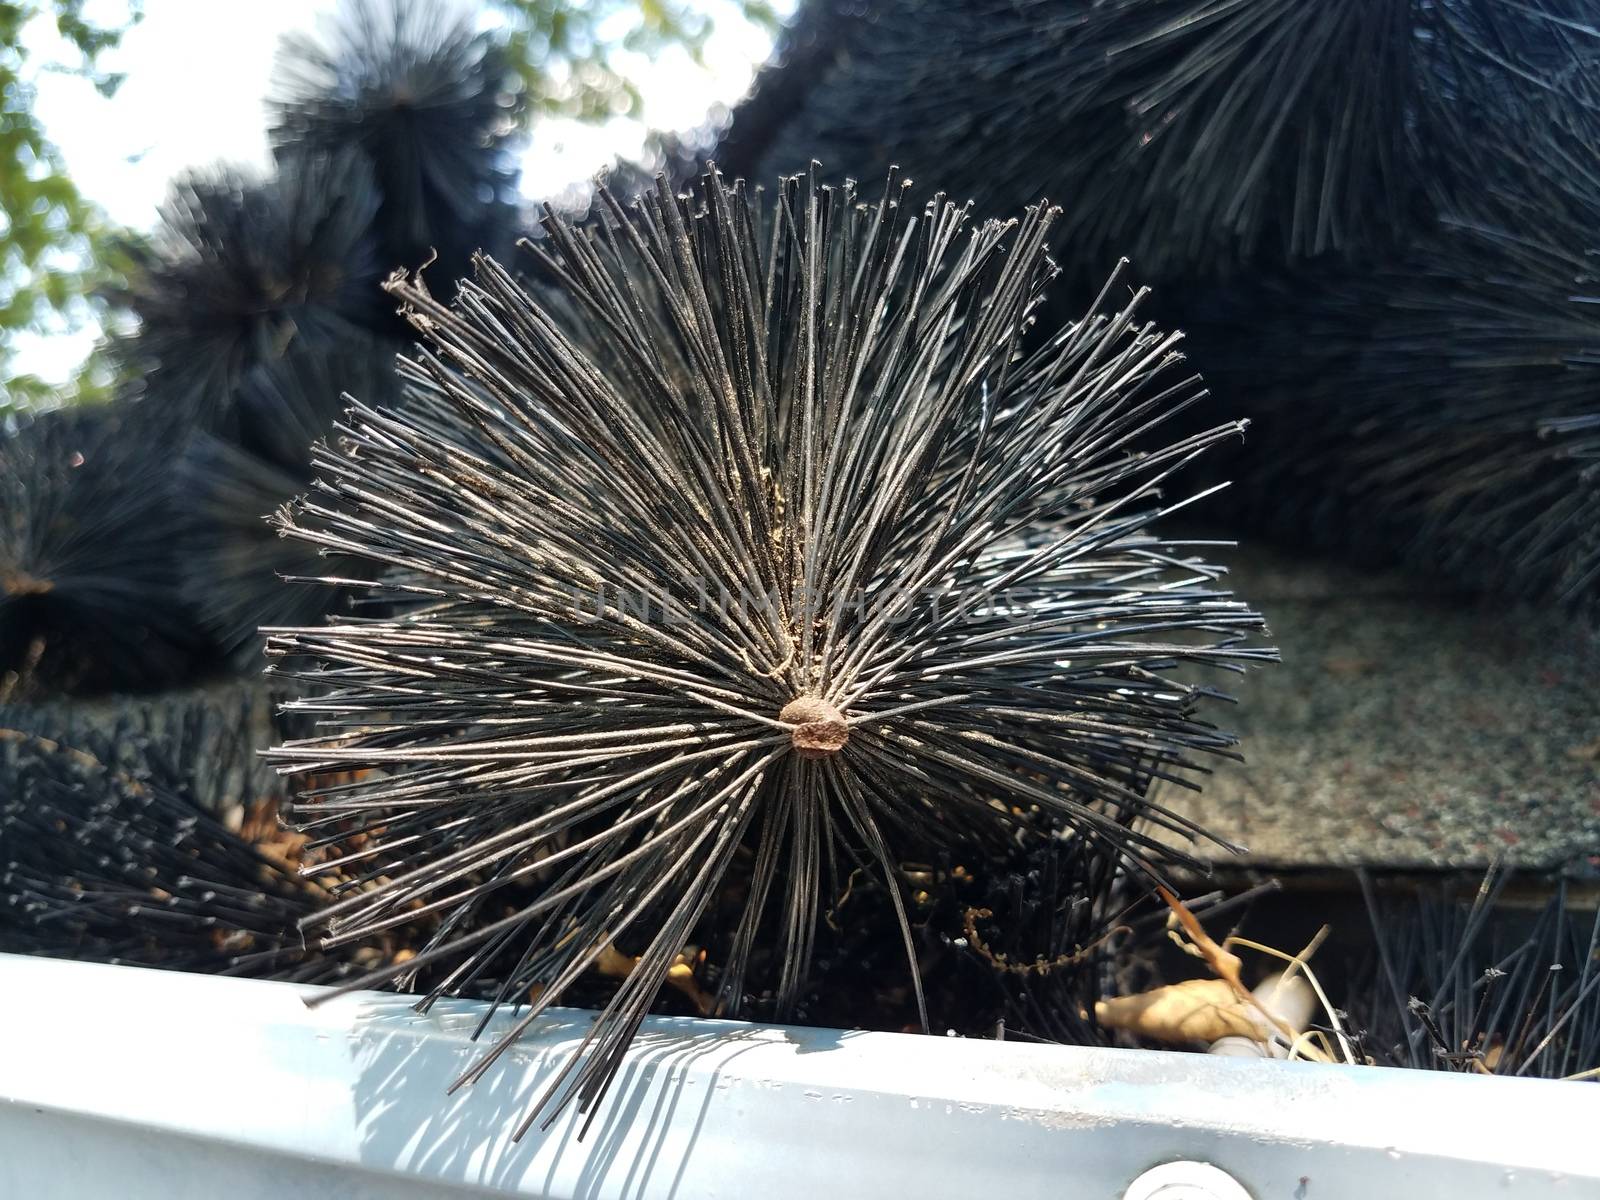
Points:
(1475, 985)
(88, 593)
(1283, 349)
(1488, 335)
(1400, 409)
(234, 560)
(805, 53)
(1487, 330)
(287, 405)
(241, 270)
(431, 104)
(913, 598)
(680, 158)
(1578, 442)
(1271, 131)
(204, 739)
(812, 46)
(1481, 60)
(1193, 136)
(109, 865)
(1051, 932)
(1341, 166)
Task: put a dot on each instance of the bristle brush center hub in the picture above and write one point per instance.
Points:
(819, 728)
(20, 583)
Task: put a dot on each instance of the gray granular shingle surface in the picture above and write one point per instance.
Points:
(1407, 728)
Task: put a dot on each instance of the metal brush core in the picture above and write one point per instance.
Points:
(819, 727)
(20, 583)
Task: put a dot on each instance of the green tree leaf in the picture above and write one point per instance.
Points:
(57, 254)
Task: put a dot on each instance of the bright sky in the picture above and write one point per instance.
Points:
(198, 72)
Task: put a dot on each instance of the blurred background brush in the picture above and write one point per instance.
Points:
(88, 565)
(432, 105)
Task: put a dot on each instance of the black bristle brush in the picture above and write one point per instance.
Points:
(431, 104)
(763, 537)
(1480, 986)
(1237, 134)
(234, 560)
(88, 575)
(1049, 933)
(1578, 441)
(205, 740)
(1379, 211)
(240, 269)
(1403, 409)
(1485, 338)
(1195, 137)
(108, 864)
(817, 42)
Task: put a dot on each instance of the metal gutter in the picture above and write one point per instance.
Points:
(128, 1083)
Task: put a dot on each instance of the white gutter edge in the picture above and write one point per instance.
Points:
(130, 1083)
